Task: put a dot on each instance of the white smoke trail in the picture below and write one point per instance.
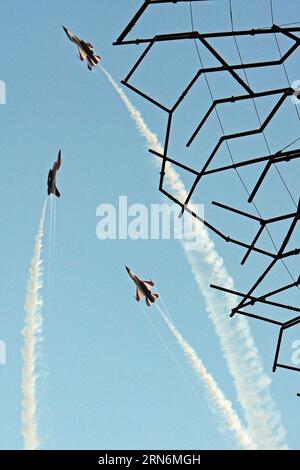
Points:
(216, 397)
(50, 240)
(240, 353)
(31, 332)
(180, 368)
(51, 261)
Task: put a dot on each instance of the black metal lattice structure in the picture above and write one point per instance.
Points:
(282, 157)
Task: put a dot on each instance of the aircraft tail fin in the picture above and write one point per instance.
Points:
(56, 192)
(151, 301)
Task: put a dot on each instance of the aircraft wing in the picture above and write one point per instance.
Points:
(81, 54)
(149, 284)
(139, 295)
(50, 177)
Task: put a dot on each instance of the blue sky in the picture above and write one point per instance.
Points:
(105, 379)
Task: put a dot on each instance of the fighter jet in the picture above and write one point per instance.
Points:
(143, 289)
(85, 50)
(52, 189)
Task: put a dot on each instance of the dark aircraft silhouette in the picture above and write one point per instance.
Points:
(85, 50)
(52, 189)
(143, 289)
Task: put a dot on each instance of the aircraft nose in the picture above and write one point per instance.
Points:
(66, 31)
(127, 269)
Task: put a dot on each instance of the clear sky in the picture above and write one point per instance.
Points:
(105, 380)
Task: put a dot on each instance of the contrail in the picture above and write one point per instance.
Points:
(31, 332)
(243, 360)
(216, 397)
(50, 240)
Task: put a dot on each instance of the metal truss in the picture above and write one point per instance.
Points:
(263, 226)
(284, 325)
(281, 157)
(231, 69)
